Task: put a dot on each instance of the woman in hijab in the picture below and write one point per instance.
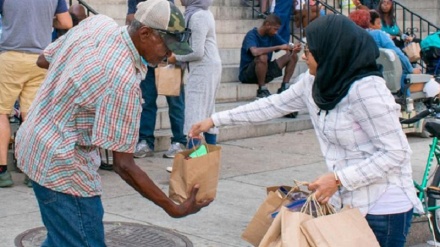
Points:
(204, 67)
(357, 124)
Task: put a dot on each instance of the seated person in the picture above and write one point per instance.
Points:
(362, 18)
(256, 55)
(303, 16)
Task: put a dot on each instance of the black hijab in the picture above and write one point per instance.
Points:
(344, 53)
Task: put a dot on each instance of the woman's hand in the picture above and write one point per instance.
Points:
(200, 127)
(172, 59)
(324, 187)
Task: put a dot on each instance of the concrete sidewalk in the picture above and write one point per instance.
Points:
(248, 166)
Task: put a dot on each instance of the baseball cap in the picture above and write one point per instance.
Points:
(164, 17)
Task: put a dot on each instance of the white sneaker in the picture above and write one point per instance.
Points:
(169, 169)
(175, 148)
(143, 150)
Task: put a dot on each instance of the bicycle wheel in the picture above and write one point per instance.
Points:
(434, 200)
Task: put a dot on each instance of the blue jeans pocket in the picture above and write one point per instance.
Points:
(44, 195)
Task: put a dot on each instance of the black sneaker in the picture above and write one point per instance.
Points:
(291, 115)
(262, 93)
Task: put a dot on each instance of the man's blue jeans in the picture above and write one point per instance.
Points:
(176, 112)
(70, 221)
(391, 230)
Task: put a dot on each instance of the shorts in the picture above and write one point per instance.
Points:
(20, 78)
(248, 74)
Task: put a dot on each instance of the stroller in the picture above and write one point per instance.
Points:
(430, 54)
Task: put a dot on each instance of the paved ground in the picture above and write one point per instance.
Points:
(248, 166)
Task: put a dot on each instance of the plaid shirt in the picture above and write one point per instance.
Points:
(89, 99)
(361, 138)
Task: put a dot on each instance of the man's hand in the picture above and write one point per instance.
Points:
(324, 187)
(190, 206)
(126, 168)
(200, 127)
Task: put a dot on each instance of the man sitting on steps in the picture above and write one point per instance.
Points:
(256, 55)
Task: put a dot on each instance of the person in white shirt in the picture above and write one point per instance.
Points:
(357, 124)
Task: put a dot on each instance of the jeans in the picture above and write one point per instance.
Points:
(391, 230)
(209, 138)
(70, 221)
(176, 112)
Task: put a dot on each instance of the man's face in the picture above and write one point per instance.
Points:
(153, 48)
(272, 29)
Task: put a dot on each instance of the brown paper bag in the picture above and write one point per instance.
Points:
(291, 234)
(347, 228)
(187, 172)
(272, 237)
(168, 80)
(412, 50)
(262, 220)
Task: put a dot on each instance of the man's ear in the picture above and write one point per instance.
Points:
(144, 33)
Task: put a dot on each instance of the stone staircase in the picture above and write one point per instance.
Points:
(233, 21)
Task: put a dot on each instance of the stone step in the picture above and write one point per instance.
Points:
(231, 12)
(236, 26)
(230, 40)
(230, 55)
(275, 126)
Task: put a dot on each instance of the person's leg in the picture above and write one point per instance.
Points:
(390, 230)
(148, 115)
(176, 113)
(70, 220)
(261, 69)
(210, 138)
(287, 61)
(13, 75)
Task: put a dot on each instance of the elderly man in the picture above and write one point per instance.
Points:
(27, 26)
(91, 99)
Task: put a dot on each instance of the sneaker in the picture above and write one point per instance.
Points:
(27, 182)
(143, 150)
(6, 179)
(262, 93)
(169, 169)
(175, 148)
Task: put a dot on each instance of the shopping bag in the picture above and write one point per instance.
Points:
(168, 80)
(291, 234)
(272, 237)
(263, 218)
(189, 171)
(346, 228)
(412, 50)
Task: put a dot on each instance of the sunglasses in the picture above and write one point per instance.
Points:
(179, 36)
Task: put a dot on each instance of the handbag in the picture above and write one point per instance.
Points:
(346, 228)
(168, 80)
(412, 50)
(189, 171)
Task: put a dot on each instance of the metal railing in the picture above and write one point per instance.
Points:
(88, 8)
(418, 26)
